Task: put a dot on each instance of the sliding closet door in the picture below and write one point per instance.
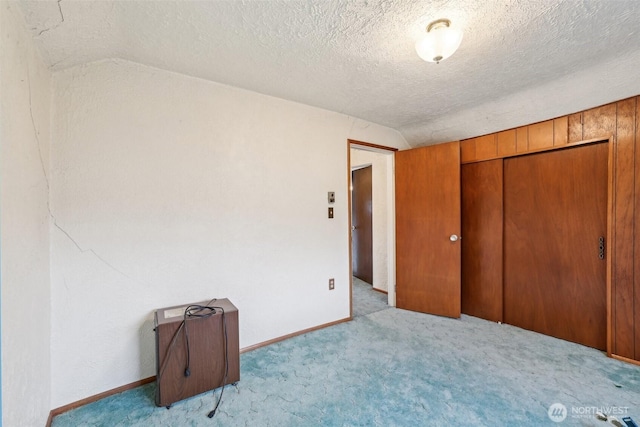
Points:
(482, 225)
(555, 212)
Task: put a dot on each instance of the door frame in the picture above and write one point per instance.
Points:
(391, 217)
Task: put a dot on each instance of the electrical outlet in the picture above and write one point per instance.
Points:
(332, 197)
(332, 284)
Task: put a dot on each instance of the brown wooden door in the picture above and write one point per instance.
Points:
(482, 225)
(555, 210)
(427, 215)
(361, 224)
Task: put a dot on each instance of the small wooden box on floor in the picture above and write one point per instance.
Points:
(206, 348)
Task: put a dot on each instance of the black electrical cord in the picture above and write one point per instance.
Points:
(190, 311)
(226, 365)
(195, 311)
(169, 351)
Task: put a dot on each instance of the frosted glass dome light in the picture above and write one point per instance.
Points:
(440, 42)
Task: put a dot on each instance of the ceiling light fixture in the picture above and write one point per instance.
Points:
(440, 42)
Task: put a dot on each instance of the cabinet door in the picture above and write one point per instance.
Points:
(427, 229)
(555, 212)
(482, 245)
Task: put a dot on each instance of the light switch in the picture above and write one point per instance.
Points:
(330, 213)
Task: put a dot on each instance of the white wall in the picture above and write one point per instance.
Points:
(24, 165)
(166, 190)
(381, 171)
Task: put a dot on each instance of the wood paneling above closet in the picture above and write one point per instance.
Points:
(506, 143)
(560, 131)
(540, 135)
(591, 124)
(574, 131)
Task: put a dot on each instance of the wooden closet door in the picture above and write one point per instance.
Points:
(482, 225)
(555, 211)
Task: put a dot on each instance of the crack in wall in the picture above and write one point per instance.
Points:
(89, 250)
(36, 133)
(57, 62)
(60, 10)
(353, 123)
(46, 178)
(58, 24)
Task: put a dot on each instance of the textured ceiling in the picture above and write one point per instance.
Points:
(357, 56)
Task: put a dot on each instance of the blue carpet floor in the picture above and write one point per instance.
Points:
(398, 368)
(365, 299)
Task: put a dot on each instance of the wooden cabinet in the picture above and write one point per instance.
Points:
(209, 359)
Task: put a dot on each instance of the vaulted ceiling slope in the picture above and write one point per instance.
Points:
(519, 62)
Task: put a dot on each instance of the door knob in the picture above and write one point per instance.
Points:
(454, 238)
(353, 227)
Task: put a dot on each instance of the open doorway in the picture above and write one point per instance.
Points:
(372, 227)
